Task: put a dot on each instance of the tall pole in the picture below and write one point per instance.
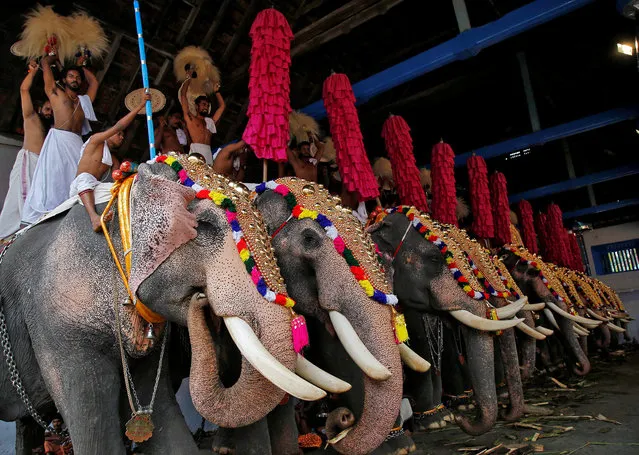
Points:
(145, 78)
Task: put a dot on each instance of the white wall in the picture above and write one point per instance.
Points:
(7, 438)
(9, 148)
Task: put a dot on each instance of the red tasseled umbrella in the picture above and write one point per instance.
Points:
(577, 261)
(443, 176)
(354, 168)
(267, 131)
(399, 145)
(501, 209)
(483, 224)
(526, 226)
(540, 227)
(556, 239)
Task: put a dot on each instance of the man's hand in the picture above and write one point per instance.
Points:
(147, 97)
(217, 87)
(33, 66)
(162, 122)
(81, 60)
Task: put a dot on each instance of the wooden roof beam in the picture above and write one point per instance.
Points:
(210, 34)
(240, 31)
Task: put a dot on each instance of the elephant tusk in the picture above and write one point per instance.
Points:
(572, 317)
(580, 331)
(319, 377)
(488, 325)
(263, 361)
(544, 330)
(413, 360)
(531, 332)
(551, 318)
(597, 316)
(511, 309)
(534, 306)
(615, 328)
(356, 348)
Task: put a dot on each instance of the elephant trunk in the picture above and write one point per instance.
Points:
(528, 347)
(479, 348)
(508, 349)
(605, 331)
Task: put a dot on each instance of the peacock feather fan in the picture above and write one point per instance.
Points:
(87, 33)
(41, 24)
(300, 125)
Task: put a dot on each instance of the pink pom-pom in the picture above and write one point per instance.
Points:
(339, 245)
(300, 333)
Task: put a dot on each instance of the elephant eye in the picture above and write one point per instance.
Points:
(310, 239)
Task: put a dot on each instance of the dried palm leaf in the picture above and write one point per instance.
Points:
(424, 175)
(329, 150)
(300, 125)
(199, 60)
(41, 24)
(87, 33)
(462, 211)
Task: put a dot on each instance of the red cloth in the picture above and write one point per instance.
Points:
(442, 173)
(501, 209)
(399, 145)
(267, 131)
(354, 167)
(542, 234)
(483, 224)
(526, 226)
(556, 239)
(575, 251)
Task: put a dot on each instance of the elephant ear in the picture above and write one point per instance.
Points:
(160, 220)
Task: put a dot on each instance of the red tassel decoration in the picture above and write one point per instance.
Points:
(556, 240)
(542, 234)
(577, 261)
(442, 173)
(399, 145)
(501, 209)
(267, 131)
(354, 167)
(300, 333)
(527, 227)
(483, 224)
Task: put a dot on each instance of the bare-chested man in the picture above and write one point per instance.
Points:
(201, 127)
(169, 135)
(304, 163)
(230, 160)
(36, 123)
(61, 150)
(97, 162)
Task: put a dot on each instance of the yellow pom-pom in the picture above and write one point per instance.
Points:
(306, 213)
(169, 160)
(401, 332)
(368, 287)
(218, 198)
(245, 254)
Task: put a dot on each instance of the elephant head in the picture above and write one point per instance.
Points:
(424, 284)
(326, 289)
(184, 247)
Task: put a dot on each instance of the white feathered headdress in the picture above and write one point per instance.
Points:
(41, 25)
(300, 125)
(199, 60)
(87, 34)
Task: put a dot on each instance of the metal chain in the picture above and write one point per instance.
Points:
(435, 352)
(14, 375)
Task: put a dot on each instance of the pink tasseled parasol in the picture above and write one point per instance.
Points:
(354, 166)
(542, 233)
(442, 173)
(269, 106)
(526, 226)
(399, 145)
(483, 224)
(575, 251)
(501, 209)
(557, 248)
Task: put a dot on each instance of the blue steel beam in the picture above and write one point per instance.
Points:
(463, 46)
(573, 184)
(601, 208)
(553, 133)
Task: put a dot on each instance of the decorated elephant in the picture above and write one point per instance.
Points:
(63, 314)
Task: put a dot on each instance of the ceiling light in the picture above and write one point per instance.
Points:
(624, 49)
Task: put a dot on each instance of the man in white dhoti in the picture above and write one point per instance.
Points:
(201, 127)
(61, 150)
(36, 124)
(97, 162)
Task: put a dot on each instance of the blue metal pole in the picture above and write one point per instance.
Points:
(604, 176)
(463, 46)
(601, 208)
(553, 133)
(145, 78)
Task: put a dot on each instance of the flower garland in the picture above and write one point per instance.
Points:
(298, 324)
(535, 265)
(510, 285)
(484, 281)
(299, 212)
(424, 231)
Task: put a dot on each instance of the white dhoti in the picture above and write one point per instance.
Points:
(19, 183)
(204, 150)
(86, 181)
(56, 169)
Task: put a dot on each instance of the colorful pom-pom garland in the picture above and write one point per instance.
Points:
(299, 212)
(298, 324)
(538, 268)
(484, 281)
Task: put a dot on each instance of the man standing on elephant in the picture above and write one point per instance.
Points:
(97, 161)
(201, 128)
(61, 149)
(36, 124)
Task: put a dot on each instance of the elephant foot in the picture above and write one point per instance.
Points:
(433, 419)
(398, 443)
(223, 442)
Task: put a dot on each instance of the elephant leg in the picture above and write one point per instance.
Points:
(253, 439)
(283, 429)
(223, 442)
(420, 386)
(510, 362)
(528, 347)
(171, 434)
(29, 435)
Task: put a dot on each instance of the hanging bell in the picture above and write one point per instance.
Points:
(149, 333)
(127, 301)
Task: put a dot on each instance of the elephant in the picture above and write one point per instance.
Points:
(59, 294)
(425, 287)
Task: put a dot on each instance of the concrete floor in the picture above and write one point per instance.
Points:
(611, 389)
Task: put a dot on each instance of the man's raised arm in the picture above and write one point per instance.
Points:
(221, 105)
(47, 75)
(25, 90)
(184, 102)
(320, 148)
(92, 89)
(122, 123)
